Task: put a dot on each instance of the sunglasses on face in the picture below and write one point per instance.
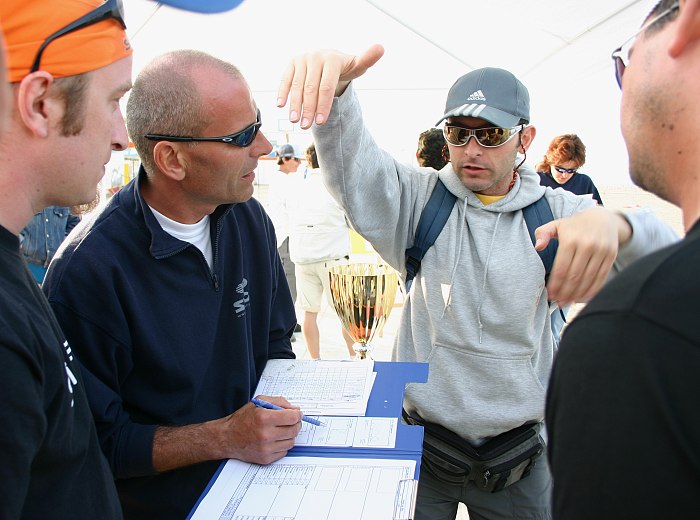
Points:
(489, 137)
(241, 139)
(111, 9)
(621, 55)
(565, 170)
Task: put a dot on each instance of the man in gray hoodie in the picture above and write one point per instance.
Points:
(478, 310)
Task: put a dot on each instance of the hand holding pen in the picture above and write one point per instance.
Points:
(264, 404)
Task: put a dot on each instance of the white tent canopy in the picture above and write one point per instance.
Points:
(560, 49)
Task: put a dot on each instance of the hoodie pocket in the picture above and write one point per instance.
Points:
(478, 396)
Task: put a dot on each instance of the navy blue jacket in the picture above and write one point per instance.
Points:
(579, 183)
(163, 339)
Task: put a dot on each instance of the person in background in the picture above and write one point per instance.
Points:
(41, 238)
(560, 164)
(319, 238)
(65, 91)
(622, 405)
(479, 318)
(173, 294)
(559, 169)
(432, 149)
(289, 158)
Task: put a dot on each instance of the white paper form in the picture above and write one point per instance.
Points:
(320, 387)
(311, 488)
(355, 432)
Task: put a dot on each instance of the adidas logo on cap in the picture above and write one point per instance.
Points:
(477, 96)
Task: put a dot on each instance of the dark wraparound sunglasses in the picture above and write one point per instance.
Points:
(621, 55)
(111, 9)
(241, 139)
(565, 170)
(488, 137)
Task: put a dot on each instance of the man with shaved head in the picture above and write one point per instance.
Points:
(174, 296)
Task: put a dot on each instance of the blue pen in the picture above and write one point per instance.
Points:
(264, 404)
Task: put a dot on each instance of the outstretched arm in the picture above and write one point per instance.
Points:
(591, 241)
(588, 246)
(312, 80)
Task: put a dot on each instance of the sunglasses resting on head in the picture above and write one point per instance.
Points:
(111, 9)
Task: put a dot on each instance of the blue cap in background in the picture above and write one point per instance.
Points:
(203, 6)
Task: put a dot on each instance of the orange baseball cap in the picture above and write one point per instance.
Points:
(27, 23)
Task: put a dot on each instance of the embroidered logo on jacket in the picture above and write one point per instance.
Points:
(71, 379)
(240, 304)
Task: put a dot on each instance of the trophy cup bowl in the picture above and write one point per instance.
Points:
(363, 295)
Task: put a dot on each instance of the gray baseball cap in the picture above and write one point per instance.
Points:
(289, 151)
(492, 94)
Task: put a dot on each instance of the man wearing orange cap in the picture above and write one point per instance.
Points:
(68, 64)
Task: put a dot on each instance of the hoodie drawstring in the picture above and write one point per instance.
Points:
(459, 252)
(483, 283)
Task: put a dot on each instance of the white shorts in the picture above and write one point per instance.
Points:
(312, 282)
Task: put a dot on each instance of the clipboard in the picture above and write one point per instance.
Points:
(386, 400)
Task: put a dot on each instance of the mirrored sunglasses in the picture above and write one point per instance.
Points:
(489, 137)
(241, 139)
(565, 170)
(111, 9)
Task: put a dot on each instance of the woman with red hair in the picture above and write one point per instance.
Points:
(560, 165)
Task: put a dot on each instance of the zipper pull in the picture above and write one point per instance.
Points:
(487, 476)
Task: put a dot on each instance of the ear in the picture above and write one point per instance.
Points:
(687, 30)
(170, 160)
(528, 135)
(36, 107)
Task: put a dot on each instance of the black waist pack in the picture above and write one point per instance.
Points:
(498, 463)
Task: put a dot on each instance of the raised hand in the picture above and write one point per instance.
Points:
(312, 80)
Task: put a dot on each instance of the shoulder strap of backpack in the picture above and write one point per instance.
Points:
(438, 209)
(430, 224)
(537, 214)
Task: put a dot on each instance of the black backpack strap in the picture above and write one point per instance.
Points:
(430, 224)
(537, 214)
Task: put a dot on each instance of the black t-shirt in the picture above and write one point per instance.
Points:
(51, 465)
(579, 183)
(624, 397)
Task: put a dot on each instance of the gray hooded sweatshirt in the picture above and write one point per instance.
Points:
(478, 310)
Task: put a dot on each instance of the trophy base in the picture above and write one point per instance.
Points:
(362, 351)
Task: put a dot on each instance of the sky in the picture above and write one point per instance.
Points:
(560, 49)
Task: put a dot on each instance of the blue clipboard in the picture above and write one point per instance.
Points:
(385, 400)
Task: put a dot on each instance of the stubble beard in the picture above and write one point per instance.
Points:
(647, 176)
